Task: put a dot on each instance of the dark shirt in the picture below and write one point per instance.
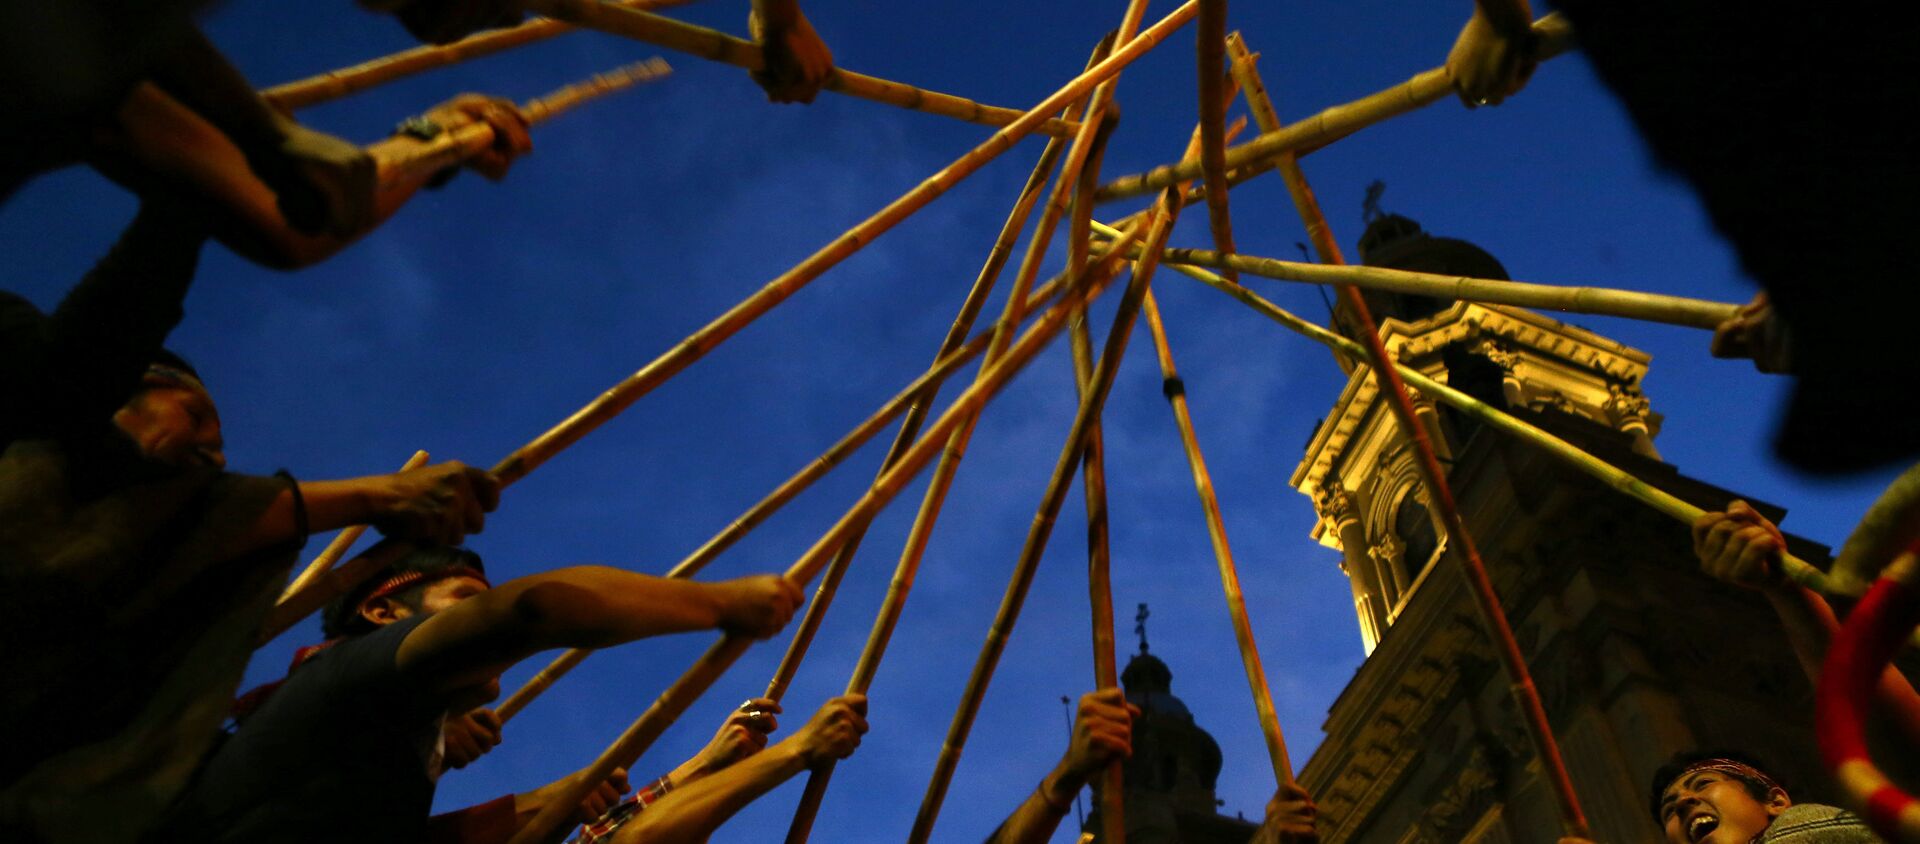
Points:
(346, 750)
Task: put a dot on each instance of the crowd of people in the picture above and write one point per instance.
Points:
(136, 573)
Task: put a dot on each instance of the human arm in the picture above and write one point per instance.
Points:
(1102, 734)
(321, 183)
(161, 142)
(1494, 54)
(1742, 547)
(794, 61)
(441, 503)
(743, 734)
(582, 607)
(1290, 817)
(692, 813)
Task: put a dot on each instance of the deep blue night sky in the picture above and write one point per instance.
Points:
(484, 313)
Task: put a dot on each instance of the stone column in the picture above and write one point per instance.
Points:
(1387, 554)
(1336, 509)
(1424, 411)
(1501, 356)
(1627, 408)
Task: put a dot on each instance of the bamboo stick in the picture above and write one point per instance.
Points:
(1094, 129)
(1321, 129)
(456, 146)
(1486, 600)
(1176, 393)
(1106, 672)
(914, 395)
(610, 403)
(341, 543)
(1884, 530)
(1615, 478)
(1661, 501)
(1211, 27)
(330, 584)
(1573, 819)
(335, 84)
(1160, 224)
(910, 426)
(1598, 301)
(707, 669)
(726, 49)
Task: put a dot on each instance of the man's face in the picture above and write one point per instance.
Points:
(174, 425)
(1715, 807)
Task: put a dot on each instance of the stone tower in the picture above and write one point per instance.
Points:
(1635, 653)
(1170, 777)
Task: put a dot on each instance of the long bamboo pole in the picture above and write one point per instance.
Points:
(714, 333)
(1094, 129)
(335, 84)
(1486, 600)
(456, 146)
(341, 543)
(1334, 123)
(910, 426)
(1160, 224)
(1093, 482)
(913, 396)
(720, 47)
(1599, 301)
(707, 669)
(328, 585)
(1519, 679)
(1176, 392)
(1211, 27)
(1661, 501)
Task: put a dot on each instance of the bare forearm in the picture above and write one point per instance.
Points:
(1811, 625)
(1035, 820)
(330, 505)
(690, 814)
(161, 143)
(599, 606)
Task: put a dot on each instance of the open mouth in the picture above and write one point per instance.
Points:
(1700, 826)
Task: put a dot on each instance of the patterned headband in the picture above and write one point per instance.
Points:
(1730, 766)
(402, 581)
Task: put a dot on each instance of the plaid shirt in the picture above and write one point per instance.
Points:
(601, 831)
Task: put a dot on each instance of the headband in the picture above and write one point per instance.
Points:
(404, 580)
(173, 376)
(1730, 766)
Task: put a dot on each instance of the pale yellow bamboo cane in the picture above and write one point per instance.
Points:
(726, 49)
(1598, 301)
(707, 669)
(1094, 128)
(335, 84)
(1328, 126)
(1211, 26)
(1161, 220)
(458, 145)
(1176, 393)
(1796, 569)
(341, 542)
(910, 426)
(914, 395)
(714, 333)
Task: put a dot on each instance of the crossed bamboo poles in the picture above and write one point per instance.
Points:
(1087, 277)
(629, 19)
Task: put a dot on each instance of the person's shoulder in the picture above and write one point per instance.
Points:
(1816, 823)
